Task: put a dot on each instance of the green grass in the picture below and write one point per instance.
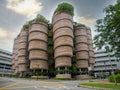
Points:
(112, 86)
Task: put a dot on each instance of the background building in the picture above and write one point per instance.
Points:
(104, 64)
(5, 62)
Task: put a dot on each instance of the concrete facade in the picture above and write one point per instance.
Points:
(104, 64)
(5, 62)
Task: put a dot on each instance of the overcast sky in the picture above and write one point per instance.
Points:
(14, 13)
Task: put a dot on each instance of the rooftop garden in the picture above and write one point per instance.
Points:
(65, 7)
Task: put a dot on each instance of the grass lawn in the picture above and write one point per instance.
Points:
(101, 85)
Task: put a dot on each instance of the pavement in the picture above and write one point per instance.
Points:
(25, 84)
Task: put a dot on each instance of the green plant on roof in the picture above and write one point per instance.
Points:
(41, 18)
(25, 26)
(75, 24)
(65, 7)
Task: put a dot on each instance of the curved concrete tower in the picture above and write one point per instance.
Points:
(81, 45)
(38, 48)
(16, 55)
(91, 50)
(63, 43)
(22, 56)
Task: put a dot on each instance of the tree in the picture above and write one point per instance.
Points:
(108, 28)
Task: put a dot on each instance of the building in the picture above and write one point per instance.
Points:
(5, 62)
(105, 64)
(48, 49)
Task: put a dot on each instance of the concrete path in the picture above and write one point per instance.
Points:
(22, 84)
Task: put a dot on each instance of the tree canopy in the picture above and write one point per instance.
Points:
(108, 28)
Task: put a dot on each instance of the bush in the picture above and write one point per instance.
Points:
(63, 78)
(65, 7)
(111, 78)
(41, 18)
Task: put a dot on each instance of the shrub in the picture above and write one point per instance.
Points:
(111, 78)
(41, 18)
(25, 26)
(65, 7)
(63, 78)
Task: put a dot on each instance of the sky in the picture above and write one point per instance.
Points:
(15, 13)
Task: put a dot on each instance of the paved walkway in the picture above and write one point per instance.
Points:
(21, 84)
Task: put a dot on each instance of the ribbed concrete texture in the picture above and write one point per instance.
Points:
(91, 50)
(22, 55)
(81, 47)
(63, 42)
(38, 54)
(15, 55)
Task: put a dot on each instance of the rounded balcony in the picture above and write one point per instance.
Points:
(62, 32)
(21, 60)
(82, 64)
(39, 27)
(81, 39)
(38, 54)
(63, 61)
(39, 64)
(90, 42)
(80, 31)
(60, 16)
(82, 55)
(24, 33)
(23, 39)
(22, 68)
(89, 37)
(34, 44)
(91, 47)
(88, 30)
(23, 45)
(91, 53)
(64, 40)
(63, 51)
(38, 36)
(92, 60)
(62, 23)
(22, 52)
(82, 46)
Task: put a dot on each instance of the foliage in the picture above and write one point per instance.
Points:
(41, 18)
(37, 72)
(101, 85)
(108, 28)
(65, 7)
(25, 26)
(63, 71)
(75, 24)
(63, 78)
(111, 78)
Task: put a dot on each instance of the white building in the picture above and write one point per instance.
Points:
(5, 62)
(105, 64)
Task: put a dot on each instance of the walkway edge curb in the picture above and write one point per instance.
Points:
(97, 88)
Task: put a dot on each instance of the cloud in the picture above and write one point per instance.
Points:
(7, 38)
(27, 8)
(86, 21)
(3, 33)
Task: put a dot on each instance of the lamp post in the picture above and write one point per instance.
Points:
(107, 50)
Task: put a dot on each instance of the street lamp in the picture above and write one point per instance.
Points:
(107, 50)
